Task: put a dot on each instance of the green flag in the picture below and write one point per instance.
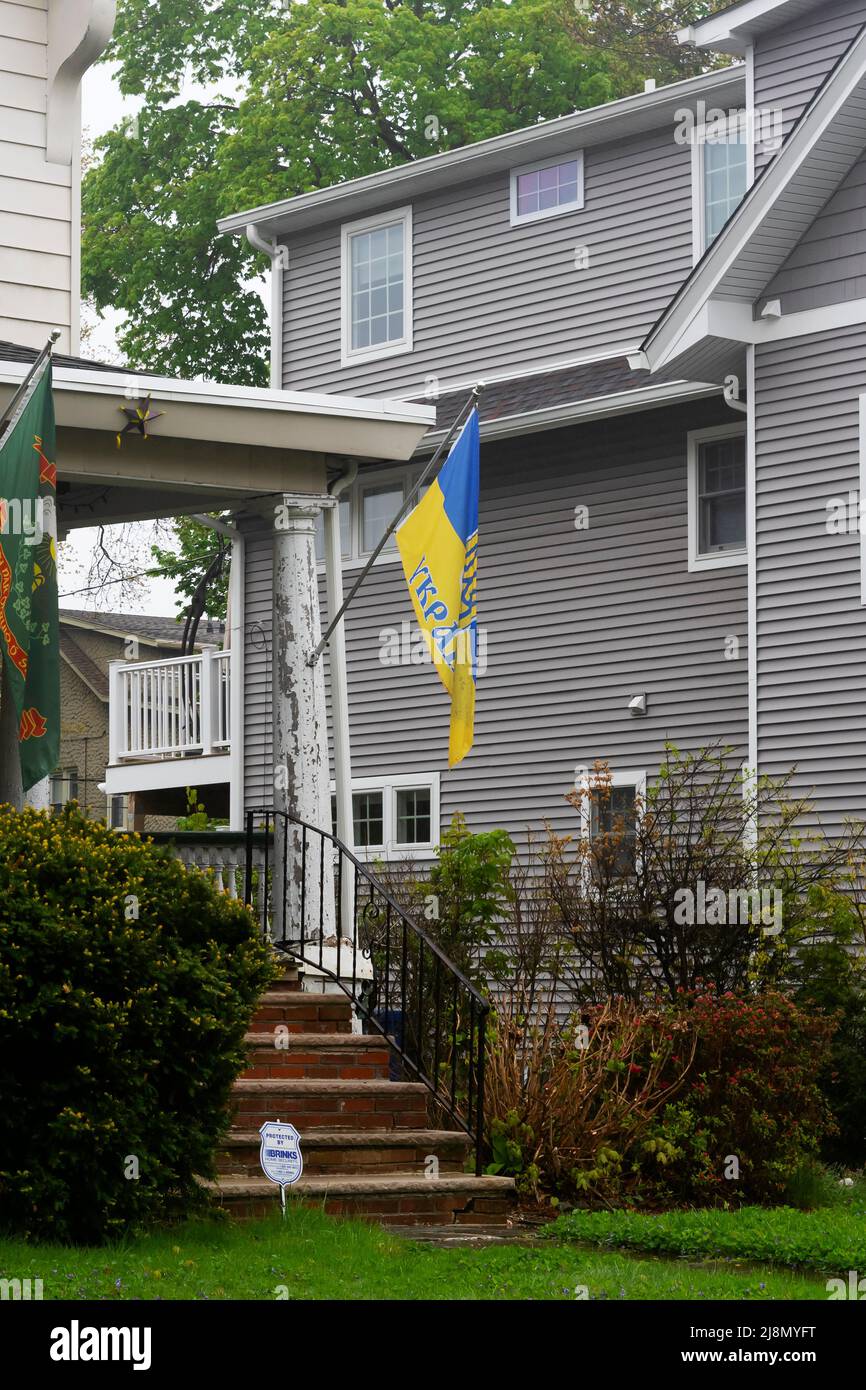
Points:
(29, 643)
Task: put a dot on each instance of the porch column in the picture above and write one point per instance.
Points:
(301, 771)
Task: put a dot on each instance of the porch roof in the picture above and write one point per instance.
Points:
(213, 445)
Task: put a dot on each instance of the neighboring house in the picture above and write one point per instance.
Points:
(676, 370)
(89, 643)
(45, 48)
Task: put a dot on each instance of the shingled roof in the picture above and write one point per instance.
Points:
(165, 631)
(17, 352)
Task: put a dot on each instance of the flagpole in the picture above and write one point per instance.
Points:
(19, 400)
(460, 419)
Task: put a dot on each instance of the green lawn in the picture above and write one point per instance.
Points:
(311, 1256)
(832, 1239)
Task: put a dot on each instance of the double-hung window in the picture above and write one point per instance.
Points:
(719, 176)
(377, 287)
(395, 817)
(717, 497)
(612, 817)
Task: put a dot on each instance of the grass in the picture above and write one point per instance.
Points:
(313, 1256)
(832, 1239)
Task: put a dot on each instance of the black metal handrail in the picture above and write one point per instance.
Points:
(401, 982)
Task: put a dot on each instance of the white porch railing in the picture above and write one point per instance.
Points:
(170, 708)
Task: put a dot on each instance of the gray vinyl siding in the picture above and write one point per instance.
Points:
(489, 297)
(791, 62)
(829, 265)
(577, 622)
(258, 670)
(811, 686)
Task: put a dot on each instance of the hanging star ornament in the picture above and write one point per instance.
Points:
(138, 416)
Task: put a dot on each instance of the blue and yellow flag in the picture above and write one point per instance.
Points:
(438, 545)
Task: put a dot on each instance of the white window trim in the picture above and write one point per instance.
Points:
(408, 475)
(519, 219)
(698, 142)
(720, 559)
(349, 356)
(391, 849)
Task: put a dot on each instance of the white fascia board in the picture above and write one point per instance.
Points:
(206, 771)
(733, 29)
(732, 319)
(169, 389)
(662, 342)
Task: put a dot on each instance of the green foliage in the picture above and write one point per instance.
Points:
(832, 1239)
(752, 1111)
(196, 548)
(311, 1256)
(126, 985)
(197, 817)
(469, 883)
(828, 972)
(301, 96)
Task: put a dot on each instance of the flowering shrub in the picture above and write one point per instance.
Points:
(126, 985)
(752, 1110)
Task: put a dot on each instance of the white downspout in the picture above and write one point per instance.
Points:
(235, 636)
(340, 691)
(279, 258)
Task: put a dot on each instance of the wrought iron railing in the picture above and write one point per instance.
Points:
(318, 902)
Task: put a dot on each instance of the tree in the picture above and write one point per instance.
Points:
(292, 97)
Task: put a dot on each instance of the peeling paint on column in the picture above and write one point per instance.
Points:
(301, 770)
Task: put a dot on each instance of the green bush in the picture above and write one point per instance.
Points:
(126, 985)
(752, 1111)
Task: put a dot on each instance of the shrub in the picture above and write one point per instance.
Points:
(571, 1109)
(126, 985)
(752, 1111)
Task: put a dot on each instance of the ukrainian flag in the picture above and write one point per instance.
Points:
(438, 544)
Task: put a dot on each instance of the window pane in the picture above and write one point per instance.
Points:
(376, 286)
(722, 495)
(615, 816)
(379, 507)
(543, 190)
(367, 817)
(413, 816)
(724, 162)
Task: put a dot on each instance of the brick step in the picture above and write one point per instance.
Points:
(288, 981)
(329, 1104)
(301, 1012)
(317, 1056)
(332, 1152)
(456, 1199)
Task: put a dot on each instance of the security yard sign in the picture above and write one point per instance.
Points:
(280, 1155)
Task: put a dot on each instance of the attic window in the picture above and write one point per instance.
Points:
(547, 189)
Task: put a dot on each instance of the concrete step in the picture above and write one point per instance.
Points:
(300, 1012)
(329, 1104)
(456, 1199)
(330, 1152)
(317, 1056)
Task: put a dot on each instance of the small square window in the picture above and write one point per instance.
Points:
(546, 189)
(413, 816)
(368, 818)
